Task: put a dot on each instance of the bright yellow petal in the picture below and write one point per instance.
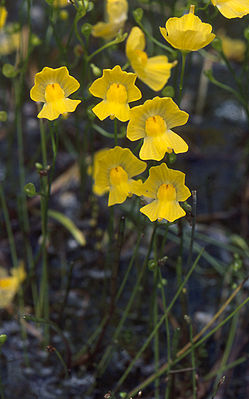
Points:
(168, 110)
(99, 86)
(117, 10)
(176, 142)
(187, 33)
(157, 72)
(131, 164)
(48, 112)
(170, 210)
(151, 210)
(68, 83)
(107, 30)
(71, 104)
(19, 272)
(102, 110)
(136, 187)
(117, 195)
(135, 40)
(232, 8)
(3, 16)
(127, 79)
(48, 76)
(153, 148)
(120, 111)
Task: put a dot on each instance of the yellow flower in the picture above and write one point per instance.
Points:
(116, 16)
(117, 88)
(60, 3)
(52, 87)
(187, 33)
(166, 187)
(114, 172)
(92, 169)
(9, 40)
(152, 121)
(232, 8)
(153, 71)
(9, 285)
(234, 49)
(3, 16)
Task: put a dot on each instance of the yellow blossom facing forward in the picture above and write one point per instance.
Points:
(52, 87)
(232, 8)
(9, 284)
(166, 187)
(116, 88)
(234, 49)
(114, 172)
(187, 33)
(3, 16)
(153, 71)
(116, 11)
(153, 122)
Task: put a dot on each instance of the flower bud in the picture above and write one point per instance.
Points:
(168, 91)
(138, 14)
(9, 71)
(95, 70)
(3, 116)
(217, 44)
(246, 33)
(30, 190)
(3, 338)
(86, 30)
(152, 264)
(63, 15)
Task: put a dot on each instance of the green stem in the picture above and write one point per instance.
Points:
(159, 44)
(193, 360)
(44, 291)
(184, 54)
(151, 336)
(185, 353)
(194, 203)
(117, 40)
(8, 227)
(115, 131)
(103, 362)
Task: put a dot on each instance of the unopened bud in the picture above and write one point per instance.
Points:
(3, 116)
(9, 71)
(217, 44)
(138, 14)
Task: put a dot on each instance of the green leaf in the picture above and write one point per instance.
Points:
(69, 225)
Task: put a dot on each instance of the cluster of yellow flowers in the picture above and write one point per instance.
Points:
(114, 168)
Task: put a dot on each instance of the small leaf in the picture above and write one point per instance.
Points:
(69, 225)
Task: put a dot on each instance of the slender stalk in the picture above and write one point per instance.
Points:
(8, 228)
(186, 350)
(155, 318)
(103, 362)
(151, 336)
(44, 291)
(115, 131)
(184, 54)
(190, 253)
